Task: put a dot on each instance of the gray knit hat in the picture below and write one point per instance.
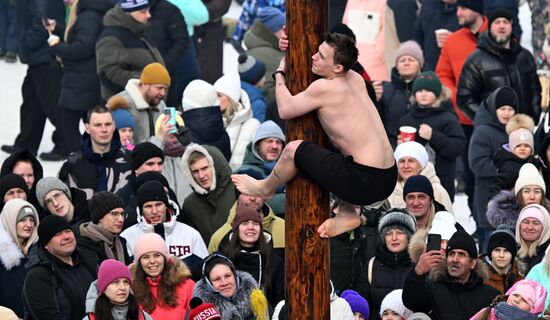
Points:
(397, 218)
(48, 184)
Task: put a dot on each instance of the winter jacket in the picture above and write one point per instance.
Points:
(238, 307)
(528, 263)
(440, 194)
(250, 260)
(194, 13)
(539, 273)
(490, 67)
(438, 295)
(257, 100)
(263, 45)
(208, 210)
(32, 44)
(394, 104)
(501, 282)
(250, 14)
(271, 223)
(434, 14)
(488, 137)
(456, 48)
(448, 140)
(96, 248)
(143, 114)
(544, 163)
(173, 171)
(504, 208)
(508, 165)
(384, 274)
(241, 130)
(122, 51)
(92, 172)
(91, 297)
(80, 83)
(56, 290)
(180, 278)
(206, 126)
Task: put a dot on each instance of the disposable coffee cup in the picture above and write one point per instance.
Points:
(407, 133)
(438, 34)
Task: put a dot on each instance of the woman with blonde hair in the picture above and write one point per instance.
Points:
(532, 235)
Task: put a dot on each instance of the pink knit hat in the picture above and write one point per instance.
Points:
(533, 211)
(532, 292)
(149, 242)
(109, 271)
(520, 136)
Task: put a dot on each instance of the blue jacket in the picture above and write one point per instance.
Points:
(257, 100)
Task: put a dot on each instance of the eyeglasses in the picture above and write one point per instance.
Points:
(116, 214)
(55, 197)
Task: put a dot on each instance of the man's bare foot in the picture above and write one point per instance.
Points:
(342, 222)
(250, 186)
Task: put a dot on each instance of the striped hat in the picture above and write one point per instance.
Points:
(133, 5)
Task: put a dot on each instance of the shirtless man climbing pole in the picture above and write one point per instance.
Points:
(365, 171)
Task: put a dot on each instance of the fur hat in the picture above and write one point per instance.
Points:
(412, 149)
(394, 301)
(428, 80)
(143, 152)
(109, 271)
(418, 183)
(251, 70)
(396, 218)
(529, 176)
(151, 191)
(47, 184)
(499, 12)
(506, 96)
(102, 203)
(475, 5)
(443, 224)
(273, 18)
(50, 226)
(503, 237)
(199, 94)
(410, 48)
(154, 73)
(520, 121)
(230, 85)
(243, 214)
(356, 302)
(202, 311)
(150, 242)
(532, 292)
(521, 136)
(462, 240)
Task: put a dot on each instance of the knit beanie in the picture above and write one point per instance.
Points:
(229, 85)
(475, 5)
(393, 301)
(109, 271)
(503, 237)
(154, 73)
(47, 184)
(11, 181)
(243, 214)
(133, 5)
(250, 172)
(412, 149)
(102, 203)
(272, 18)
(462, 240)
(24, 212)
(143, 152)
(151, 191)
(428, 80)
(529, 176)
(410, 48)
(123, 119)
(268, 129)
(199, 94)
(49, 227)
(151, 176)
(150, 242)
(506, 96)
(356, 302)
(251, 70)
(499, 12)
(202, 311)
(535, 211)
(418, 183)
(520, 136)
(396, 218)
(532, 292)
(443, 224)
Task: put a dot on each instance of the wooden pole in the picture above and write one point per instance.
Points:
(307, 255)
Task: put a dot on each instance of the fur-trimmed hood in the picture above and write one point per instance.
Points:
(417, 244)
(187, 170)
(238, 307)
(504, 209)
(180, 274)
(12, 255)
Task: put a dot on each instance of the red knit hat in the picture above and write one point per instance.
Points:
(202, 311)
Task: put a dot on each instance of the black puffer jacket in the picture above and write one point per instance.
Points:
(206, 126)
(394, 104)
(80, 83)
(508, 165)
(490, 67)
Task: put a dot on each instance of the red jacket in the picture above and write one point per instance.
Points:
(454, 53)
(184, 293)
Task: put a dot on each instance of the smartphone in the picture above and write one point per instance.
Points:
(171, 112)
(434, 242)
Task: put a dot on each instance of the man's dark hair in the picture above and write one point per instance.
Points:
(97, 109)
(345, 51)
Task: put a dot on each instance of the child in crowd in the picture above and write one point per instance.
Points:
(359, 306)
(123, 120)
(392, 307)
(252, 73)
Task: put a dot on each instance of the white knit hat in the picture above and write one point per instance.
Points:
(529, 176)
(199, 94)
(443, 224)
(412, 149)
(394, 301)
(230, 85)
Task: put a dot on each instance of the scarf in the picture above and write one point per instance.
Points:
(504, 311)
(119, 312)
(173, 149)
(111, 243)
